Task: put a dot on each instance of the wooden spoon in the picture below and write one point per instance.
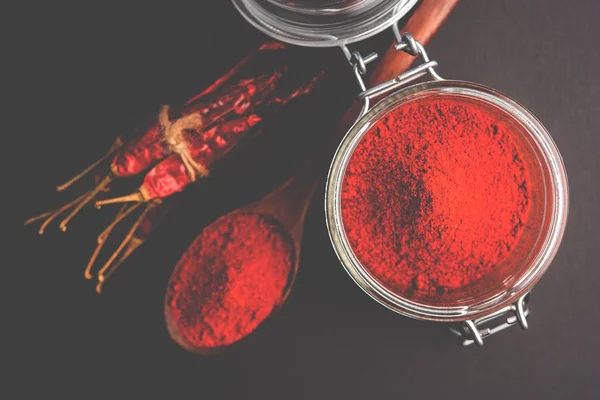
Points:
(288, 203)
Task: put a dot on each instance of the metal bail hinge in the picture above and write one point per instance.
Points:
(474, 331)
(404, 42)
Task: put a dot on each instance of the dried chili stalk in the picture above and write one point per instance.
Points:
(140, 231)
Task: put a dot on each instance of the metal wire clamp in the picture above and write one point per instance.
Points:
(404, 42)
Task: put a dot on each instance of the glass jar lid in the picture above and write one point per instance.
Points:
(322, 23)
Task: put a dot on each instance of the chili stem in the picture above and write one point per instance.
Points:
(123, 213)
(117, 144)
(101, 274)
(87, 199)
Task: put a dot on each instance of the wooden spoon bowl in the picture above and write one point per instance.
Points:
(287, 205)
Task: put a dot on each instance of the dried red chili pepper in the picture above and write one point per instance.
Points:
(213, 103)
(198, 134)
(173, 175)
(229, 281)
(246, 85)
(436, 197)
(232, 101)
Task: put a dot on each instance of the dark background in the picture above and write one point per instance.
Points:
(99, 67)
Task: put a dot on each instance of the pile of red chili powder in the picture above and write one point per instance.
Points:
(435, 196)
(229, 280)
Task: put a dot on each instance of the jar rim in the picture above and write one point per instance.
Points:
(323, 26)
(485, 303)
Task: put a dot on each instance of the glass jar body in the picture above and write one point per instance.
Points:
(547, 222)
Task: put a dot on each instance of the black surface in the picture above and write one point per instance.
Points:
(101, 66)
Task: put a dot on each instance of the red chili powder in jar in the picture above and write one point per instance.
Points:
(229, 280)
(436, 196)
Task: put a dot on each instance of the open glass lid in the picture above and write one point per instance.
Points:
(322, 23)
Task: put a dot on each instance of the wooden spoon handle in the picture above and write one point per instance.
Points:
(422, 25)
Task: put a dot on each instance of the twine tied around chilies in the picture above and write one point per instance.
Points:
(174, 136)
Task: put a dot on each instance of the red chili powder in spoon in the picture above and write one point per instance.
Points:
(229, 280)
(435, 196)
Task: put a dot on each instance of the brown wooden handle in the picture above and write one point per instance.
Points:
(423, 24)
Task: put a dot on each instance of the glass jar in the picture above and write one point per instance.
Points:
(537, 246)
(496, 301)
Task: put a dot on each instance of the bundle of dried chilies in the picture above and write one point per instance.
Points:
(184, 144)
